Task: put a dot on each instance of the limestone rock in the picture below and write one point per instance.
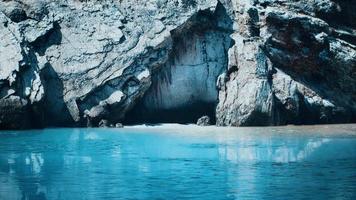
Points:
(104, 123)
(286, 65)
(204, 121)
(119, 125)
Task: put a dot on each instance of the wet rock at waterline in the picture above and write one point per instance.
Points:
(75, 63)
(119, 125)
(204, 121)
(104, 123)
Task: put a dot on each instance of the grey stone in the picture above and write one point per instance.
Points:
(204, 121)
(104, 123)
(301, 78)
(119, 125)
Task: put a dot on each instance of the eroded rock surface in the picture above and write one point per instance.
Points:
(293, 62)
(261, 62)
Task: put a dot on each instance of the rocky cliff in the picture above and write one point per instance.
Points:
(241, 62)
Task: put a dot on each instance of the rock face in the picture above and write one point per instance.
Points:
(293, 62)
(241, 62)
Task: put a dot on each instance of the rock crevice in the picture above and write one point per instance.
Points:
(184, 88)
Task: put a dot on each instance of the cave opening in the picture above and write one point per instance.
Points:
(184, 88)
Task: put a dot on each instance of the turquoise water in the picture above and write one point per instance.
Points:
(179, 162)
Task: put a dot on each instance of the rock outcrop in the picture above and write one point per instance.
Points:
(241, 62)
(293, 62)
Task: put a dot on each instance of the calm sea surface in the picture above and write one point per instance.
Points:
(179, 162)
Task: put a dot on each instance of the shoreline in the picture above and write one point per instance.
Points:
(193, 129)
(332, 129)
(210, 126)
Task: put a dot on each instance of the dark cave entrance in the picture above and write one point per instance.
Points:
(183, 115)
(184, 88)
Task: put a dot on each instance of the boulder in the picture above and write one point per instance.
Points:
(204, 121)
(119, 125)
(104, 123)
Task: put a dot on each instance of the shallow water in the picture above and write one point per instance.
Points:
(179, 162)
